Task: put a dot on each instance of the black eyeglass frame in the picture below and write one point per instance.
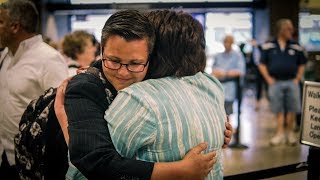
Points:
(122, 64)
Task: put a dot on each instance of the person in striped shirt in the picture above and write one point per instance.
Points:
(160, 119)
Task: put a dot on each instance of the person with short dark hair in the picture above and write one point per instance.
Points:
(159, 120)
(29, 68)
(282, 66)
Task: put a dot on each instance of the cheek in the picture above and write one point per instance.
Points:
(109, 73)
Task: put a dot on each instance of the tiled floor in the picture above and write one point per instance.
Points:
(257, 127)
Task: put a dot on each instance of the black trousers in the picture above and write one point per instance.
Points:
(7, 171)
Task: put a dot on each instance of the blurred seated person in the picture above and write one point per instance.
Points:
(79, 49)
(227, 66)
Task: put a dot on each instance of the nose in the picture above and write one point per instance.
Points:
(123, 70)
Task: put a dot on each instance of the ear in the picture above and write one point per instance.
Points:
(101, 50)
(15, 27)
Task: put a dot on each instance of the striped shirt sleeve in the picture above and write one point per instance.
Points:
(130, 124)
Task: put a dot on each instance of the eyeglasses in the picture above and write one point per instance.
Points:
(133, 67)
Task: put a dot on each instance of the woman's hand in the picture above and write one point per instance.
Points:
(59, 109)
(194, 166)
(198, 165)
(228, 133)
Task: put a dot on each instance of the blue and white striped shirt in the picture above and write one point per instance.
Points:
(161, 120)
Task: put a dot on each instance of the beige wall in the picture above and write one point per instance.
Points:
(311, 4)
(314, 4)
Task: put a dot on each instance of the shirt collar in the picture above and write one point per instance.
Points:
(24, 46)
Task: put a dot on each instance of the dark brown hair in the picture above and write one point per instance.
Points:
(129, 24)
(179, 47)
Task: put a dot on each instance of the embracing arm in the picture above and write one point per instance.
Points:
(92, 151)
(60, 110)
(185, 169)
(90, 145)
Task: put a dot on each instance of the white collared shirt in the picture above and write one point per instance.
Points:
(3, 54)
(23, 77)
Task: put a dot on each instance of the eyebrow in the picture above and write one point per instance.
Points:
(130, 61)
(111, 57)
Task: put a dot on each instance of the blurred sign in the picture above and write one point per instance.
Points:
(310, 122)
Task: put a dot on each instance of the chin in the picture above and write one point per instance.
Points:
(120, 87)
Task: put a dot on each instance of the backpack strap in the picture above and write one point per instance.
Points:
(98, 74)
(46, 99)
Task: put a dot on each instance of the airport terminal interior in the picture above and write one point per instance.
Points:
(250, 154)
(257, 128)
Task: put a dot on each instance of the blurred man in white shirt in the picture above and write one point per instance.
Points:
(29, 68)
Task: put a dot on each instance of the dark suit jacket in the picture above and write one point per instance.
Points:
(90, 145)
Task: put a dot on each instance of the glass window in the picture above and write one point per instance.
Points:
(309, 31)
(218, 25)
(90, 23)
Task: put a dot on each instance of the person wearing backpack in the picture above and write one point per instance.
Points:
(29, 68)
(90, 145)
